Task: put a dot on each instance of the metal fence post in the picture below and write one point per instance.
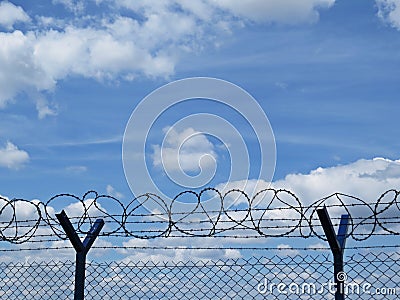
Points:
(337, 244)
(81, 250)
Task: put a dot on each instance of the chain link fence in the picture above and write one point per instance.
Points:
(368, 276)
(278, 271)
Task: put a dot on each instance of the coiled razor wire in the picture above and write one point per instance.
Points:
(268, 213)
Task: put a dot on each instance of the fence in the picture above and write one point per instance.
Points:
(376, 275)
(371, 264)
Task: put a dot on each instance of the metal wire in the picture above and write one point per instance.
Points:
(302, 277)
(269, 213)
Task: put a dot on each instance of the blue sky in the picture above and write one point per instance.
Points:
(325, 72)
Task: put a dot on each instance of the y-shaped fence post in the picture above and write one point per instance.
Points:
(337, 244)
(81, 250)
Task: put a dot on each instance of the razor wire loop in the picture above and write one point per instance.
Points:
(13, 223)
(212, 230)
(298, 208)
(256, 216)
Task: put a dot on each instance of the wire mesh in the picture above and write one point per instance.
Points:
(289, 277)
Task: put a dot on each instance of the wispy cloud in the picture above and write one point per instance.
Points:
(99, 141)
(76, 169)
(111, 191)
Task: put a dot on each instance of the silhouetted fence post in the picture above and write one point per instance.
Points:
(337, 244)
(81, 250)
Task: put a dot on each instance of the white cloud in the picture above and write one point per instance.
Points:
(13, 158)
(76, 6)
(11, 14)
(78, 209)
(95, 53)
(200, 9)
(18, 71)
(389, 12)
(188, 249)
(365, 178)
(188, 150)
(277, 11)
(110, 46)
(31, 62)
(112, 192)
(43, 108)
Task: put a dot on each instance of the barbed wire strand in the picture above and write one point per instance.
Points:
(268, 213)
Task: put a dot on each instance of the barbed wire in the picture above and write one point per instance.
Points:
(268, 213)
(198, 248)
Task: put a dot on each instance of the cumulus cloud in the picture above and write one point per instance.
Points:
(389, 12)
(11, 14)
(33, 62)
(187, 151)
(13, 158)
(111, 44)
(365, 178)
